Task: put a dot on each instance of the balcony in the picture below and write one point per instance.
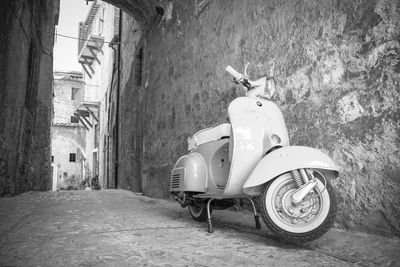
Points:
(89, 53)
(86, 105)
(90, 42)
(84, 111)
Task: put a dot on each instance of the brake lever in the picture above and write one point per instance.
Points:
(246, 84)
(245, 69)
(243, 82)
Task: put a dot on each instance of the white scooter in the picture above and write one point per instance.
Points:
(250, 158)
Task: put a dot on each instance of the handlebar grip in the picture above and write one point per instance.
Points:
(233, 72)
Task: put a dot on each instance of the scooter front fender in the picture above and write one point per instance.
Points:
(287, 159)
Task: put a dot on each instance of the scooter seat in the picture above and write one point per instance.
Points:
(209, 135)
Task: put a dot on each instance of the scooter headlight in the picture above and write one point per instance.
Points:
(276, 138)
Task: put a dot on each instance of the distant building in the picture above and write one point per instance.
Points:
(68, 135)
(97, 54)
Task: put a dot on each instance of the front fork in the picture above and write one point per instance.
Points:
(305, 183)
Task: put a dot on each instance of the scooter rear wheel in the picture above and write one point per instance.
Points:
(305, 222)
(198, 210)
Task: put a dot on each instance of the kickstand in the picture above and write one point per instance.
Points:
(256, 217)
(210, 228)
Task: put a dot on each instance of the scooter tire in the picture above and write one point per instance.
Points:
(198, 211)
(267, 214)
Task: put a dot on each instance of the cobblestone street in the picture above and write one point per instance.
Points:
(120, 228)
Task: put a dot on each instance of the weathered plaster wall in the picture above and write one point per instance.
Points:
(96, 88)
(105, 71)
(64, 105)
(129, 175)
(68, 139)
(11, 100)
(41, 171)
(337, 70)
(26, 87)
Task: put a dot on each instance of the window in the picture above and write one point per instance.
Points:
(138, 67)
(52, 159)
(74, 92)
(74, 119)
(72, 157)
(96, 135)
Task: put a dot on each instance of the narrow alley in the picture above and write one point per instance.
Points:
(120, 228)
(110, 108)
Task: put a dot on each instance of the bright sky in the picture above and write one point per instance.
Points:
(66, 50)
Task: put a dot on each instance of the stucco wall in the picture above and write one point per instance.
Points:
(97, 87)
(105, 71)
(64, 106)
(130, 108)
(68, 139)
(337, 70)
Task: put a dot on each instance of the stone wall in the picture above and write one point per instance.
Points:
(26, 94)
(337, 70)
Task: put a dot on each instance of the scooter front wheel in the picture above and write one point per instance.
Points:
(304, 222)
(198, 210)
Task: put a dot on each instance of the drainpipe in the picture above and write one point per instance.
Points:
(118, 95)
(109, 114)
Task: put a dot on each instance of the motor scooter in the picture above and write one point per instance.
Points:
(251, 158)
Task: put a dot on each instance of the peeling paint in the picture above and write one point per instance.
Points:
(332, 70)
(382, 50)
(349, 108)
(168, 12)
(353, 189)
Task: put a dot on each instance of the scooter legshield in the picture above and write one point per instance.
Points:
(287, 159)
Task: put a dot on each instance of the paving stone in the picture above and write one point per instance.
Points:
(120, 228)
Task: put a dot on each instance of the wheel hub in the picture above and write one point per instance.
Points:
(296, 214)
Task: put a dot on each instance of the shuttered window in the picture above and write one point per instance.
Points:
(72, 157)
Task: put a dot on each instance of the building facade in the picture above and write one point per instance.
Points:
(96, 110)
(68, 144)
(26, 80)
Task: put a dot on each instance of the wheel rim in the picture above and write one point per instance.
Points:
(305, 217)
(196, 209)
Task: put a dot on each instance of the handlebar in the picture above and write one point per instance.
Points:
(233, 72)
(240, 78)
(263, 87)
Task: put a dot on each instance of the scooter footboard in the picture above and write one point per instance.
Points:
(287, 159)
(193, 166)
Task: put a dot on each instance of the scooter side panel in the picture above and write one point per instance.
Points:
(215, 155)
(189, 174)
(286, 159)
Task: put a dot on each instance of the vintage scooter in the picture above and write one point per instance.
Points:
(250, 158)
